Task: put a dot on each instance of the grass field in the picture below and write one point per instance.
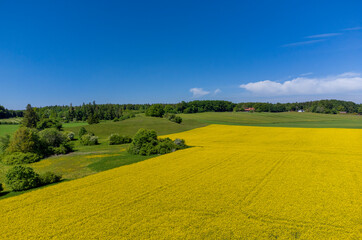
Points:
(131, 126)
(12, 120)
(237, 182)
(7, 129)
(87, 160)
(285, 119)
(191, 121)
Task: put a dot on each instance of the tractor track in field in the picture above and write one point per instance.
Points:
(248, 199)
(143, 196)
(294, 223)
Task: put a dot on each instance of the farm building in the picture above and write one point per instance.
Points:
(249, 109)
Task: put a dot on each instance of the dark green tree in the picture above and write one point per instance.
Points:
(49, 123)
(82, 131)
(360, 109)
(30, 118)
(21, 178)
(144, 142)
(24, 140)
(93, 119)
(156, 110)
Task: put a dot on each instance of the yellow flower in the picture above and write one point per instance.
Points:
(234, 183)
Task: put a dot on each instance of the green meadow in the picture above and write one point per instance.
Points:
(283, 119)
(7, 129)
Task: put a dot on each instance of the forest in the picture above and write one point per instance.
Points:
(94, 112)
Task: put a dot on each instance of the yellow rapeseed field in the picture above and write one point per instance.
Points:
(234, 183)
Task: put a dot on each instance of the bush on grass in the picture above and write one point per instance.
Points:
(89, 139)
(145, 142)
(20, 158)
(21, 178)
(82, 131)
(116, 139)
(49, 177)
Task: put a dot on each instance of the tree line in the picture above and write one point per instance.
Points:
(93, 112)
(320, 106)
(6, 113)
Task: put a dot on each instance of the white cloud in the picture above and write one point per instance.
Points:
(303, 43)
(349, 74)
(217, 91)
(341, 84)
(325, 35)
(352, 29)
(305, 74)
(198, 92)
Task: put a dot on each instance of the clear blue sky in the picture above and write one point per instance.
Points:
(61, 52)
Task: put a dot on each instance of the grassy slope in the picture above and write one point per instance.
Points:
(130, 126)
(292, 119)
(7, 129)
(87, 160)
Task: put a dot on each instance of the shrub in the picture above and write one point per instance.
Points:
(24, 140)
(52, 137)
(70, 136)
(115, 139)
(143, 141)
(178, 120)
(20, 158)
(148, 149)
(169, 116)
(54, 142)
(43, 143)
(174, 118)
(89, 139)
(49, 123)
(82, 131)
(62, 149)
(116, 119)
(49, 177)
(165, 145)
(21, 178)
(180, 143)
